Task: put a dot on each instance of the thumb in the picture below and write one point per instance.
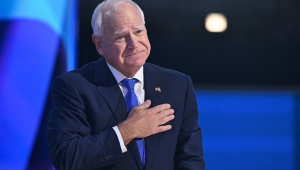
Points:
(146, 104)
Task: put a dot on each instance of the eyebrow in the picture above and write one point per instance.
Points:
(133, 27)
(138, 27)
(119, 32)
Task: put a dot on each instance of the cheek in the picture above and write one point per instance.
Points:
(147, 45)
(118, 50)
(146, 42)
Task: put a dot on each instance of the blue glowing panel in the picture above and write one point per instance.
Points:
(247, 130)
(30, 37)
(49, 12)
(26, 69)
(60, 16)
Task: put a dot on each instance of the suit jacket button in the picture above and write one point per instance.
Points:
(107, 157)
(99, 160)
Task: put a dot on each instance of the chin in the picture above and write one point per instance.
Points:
(137, 62)
(135, 66)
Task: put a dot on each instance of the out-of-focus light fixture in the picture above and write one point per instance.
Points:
(215, 22)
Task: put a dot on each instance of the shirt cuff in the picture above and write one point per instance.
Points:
(123, 147)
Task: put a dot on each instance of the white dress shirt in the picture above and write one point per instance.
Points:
(138, 90)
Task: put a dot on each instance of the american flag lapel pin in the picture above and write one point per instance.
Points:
(157, 89)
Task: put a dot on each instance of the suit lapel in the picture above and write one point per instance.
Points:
(133, 148)
(111, 93)
(152, 80)
(110, 90)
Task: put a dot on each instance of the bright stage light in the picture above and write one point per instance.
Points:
(215, 22)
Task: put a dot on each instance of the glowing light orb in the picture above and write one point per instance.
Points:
(216, 22)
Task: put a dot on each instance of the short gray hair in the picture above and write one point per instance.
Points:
(105, 9)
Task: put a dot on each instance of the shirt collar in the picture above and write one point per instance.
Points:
(119, 76)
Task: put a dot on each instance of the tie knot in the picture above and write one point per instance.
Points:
(129, 83)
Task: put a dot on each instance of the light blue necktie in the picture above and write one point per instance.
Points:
(132, 101)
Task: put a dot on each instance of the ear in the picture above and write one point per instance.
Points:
(98, 45)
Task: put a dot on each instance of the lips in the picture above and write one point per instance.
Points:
(135, 53)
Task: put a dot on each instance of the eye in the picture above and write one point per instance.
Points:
(139, 31)
(120, 37)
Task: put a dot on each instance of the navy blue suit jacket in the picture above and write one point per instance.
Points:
(88, 102)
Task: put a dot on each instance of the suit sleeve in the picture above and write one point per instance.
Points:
(68, 132)
(189, 151)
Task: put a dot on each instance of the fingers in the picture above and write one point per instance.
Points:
(160, 108)
(148, 121)
(163, 128)
(145, 105)
(166, 119)
(154, 110)
(165, 113)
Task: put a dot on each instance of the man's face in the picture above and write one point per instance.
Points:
(124, 43)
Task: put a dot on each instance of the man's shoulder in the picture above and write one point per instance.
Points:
(164, 71)
(86, 72)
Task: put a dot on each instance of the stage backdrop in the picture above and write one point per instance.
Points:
(242, 129)
(37, 42)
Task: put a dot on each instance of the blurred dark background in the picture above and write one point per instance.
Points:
(261, 46)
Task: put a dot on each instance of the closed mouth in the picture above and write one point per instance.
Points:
(135, 53)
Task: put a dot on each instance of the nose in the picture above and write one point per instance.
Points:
(132, 42)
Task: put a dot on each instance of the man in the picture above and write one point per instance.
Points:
(90, 127)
